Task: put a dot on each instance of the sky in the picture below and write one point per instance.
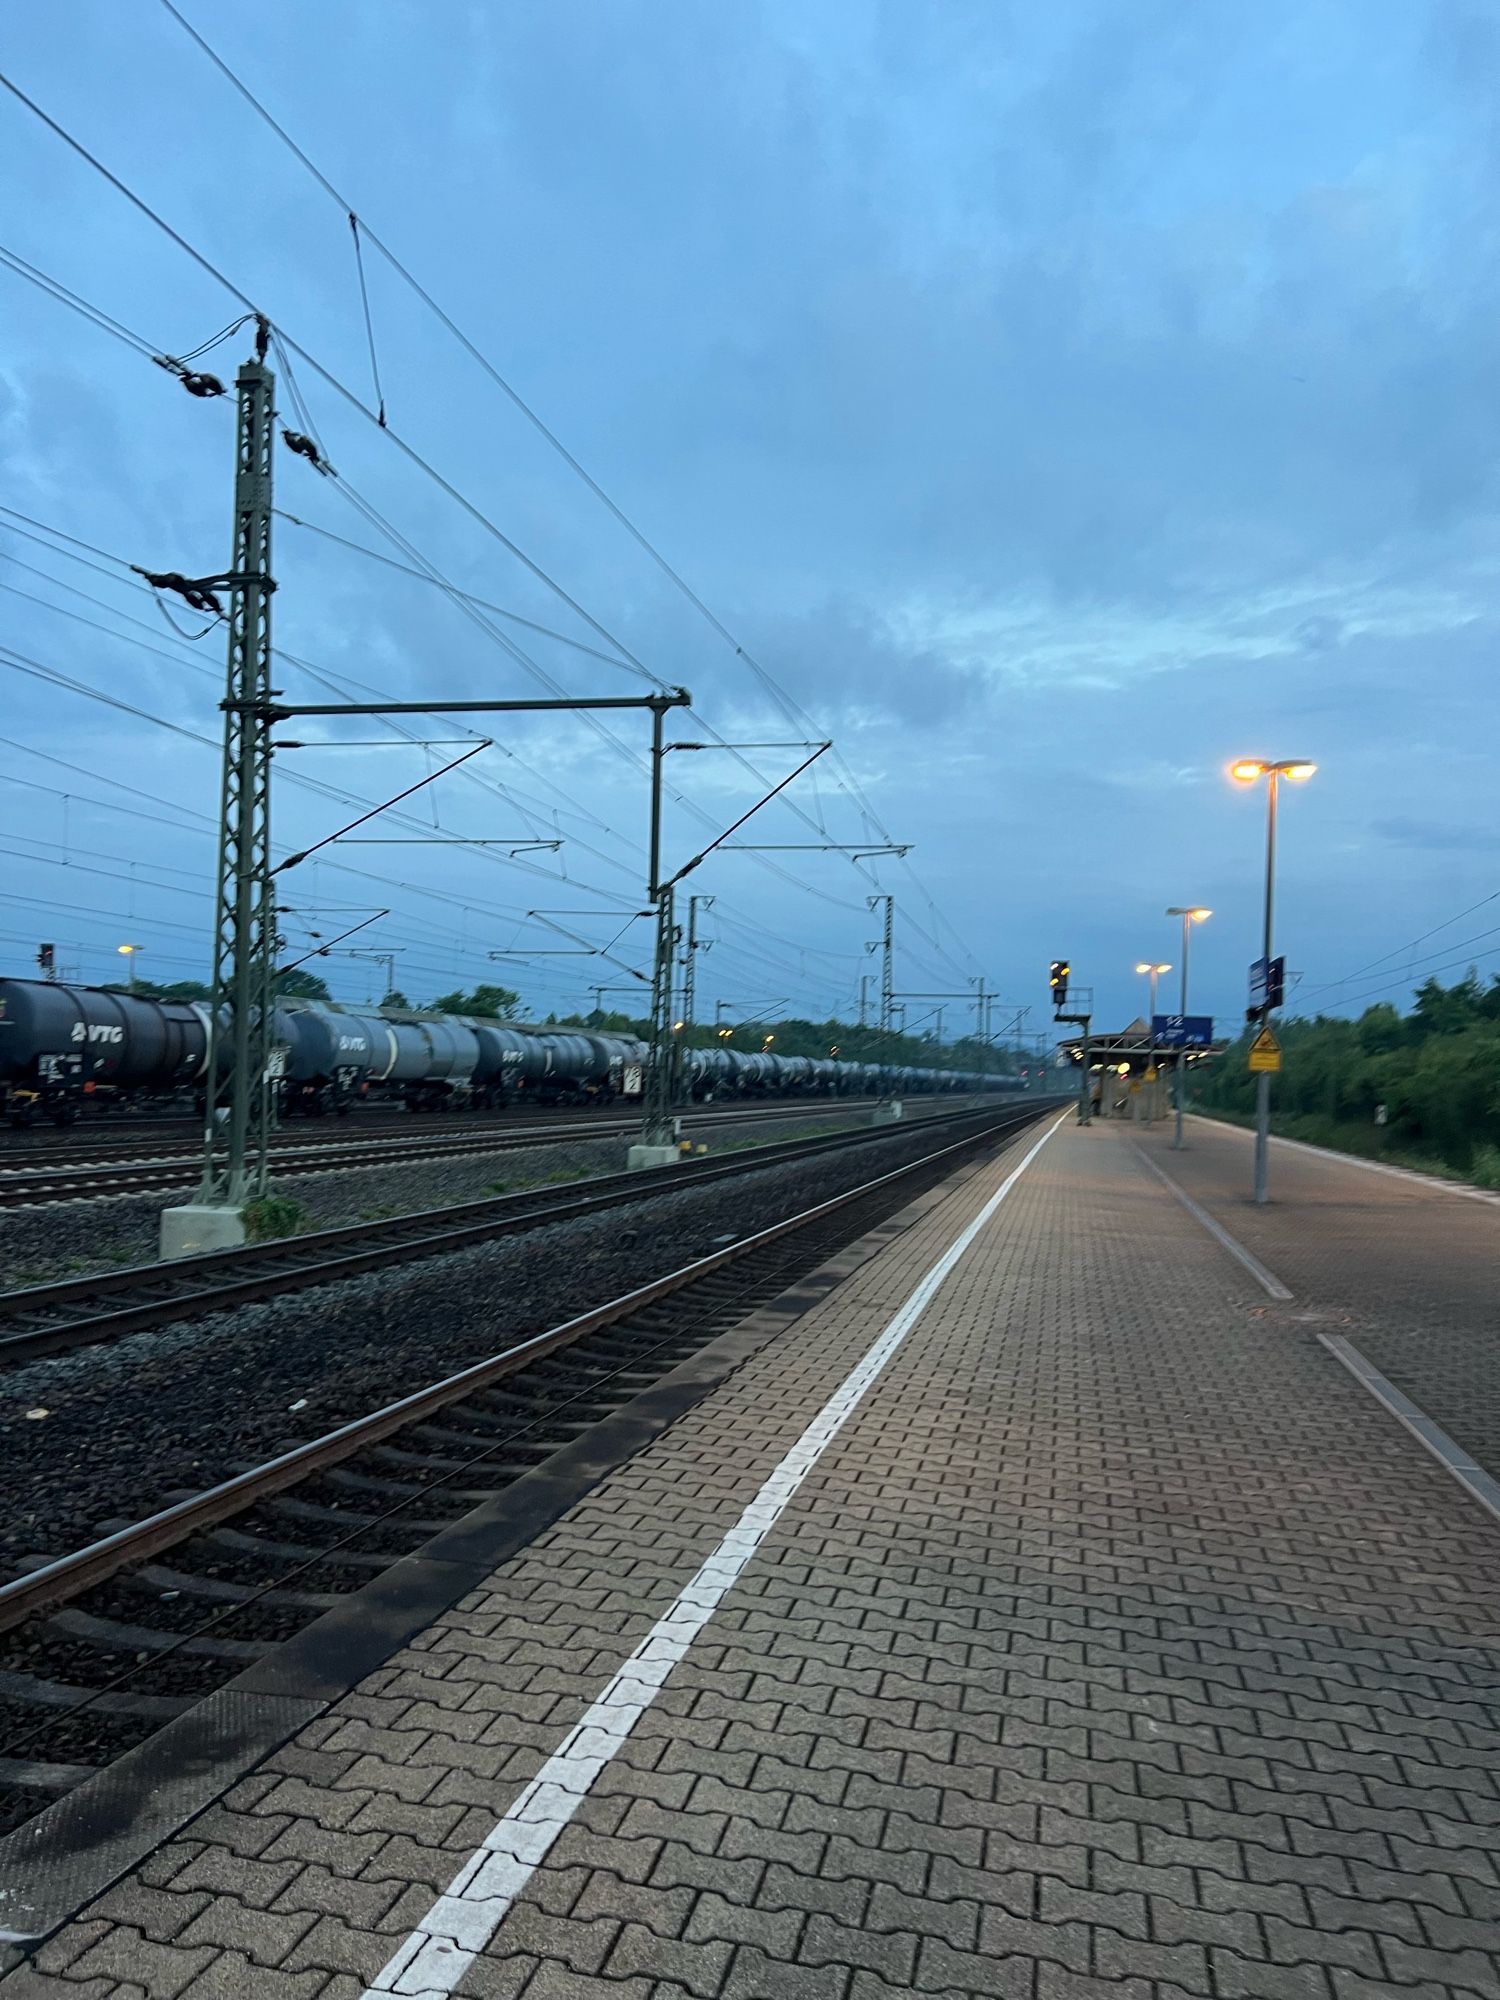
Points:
(1046, 404)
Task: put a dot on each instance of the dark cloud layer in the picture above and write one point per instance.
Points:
(1060, 401)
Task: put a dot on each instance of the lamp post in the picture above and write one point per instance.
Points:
(1190, 915)
(1245, 771)
(1155, 972)
(128, 952)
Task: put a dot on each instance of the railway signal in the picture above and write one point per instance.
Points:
(1057, 979)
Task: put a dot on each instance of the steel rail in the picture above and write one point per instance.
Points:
(25, 1596)
(81, 1178)
(253, 1272)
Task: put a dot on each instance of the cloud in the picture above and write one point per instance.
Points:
(1058, 401)
(1436, 836)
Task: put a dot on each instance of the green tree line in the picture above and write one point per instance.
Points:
(1436, 1070)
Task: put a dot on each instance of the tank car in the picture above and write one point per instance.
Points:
(63, 1048)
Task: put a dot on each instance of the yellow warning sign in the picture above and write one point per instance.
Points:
(1265, 1053)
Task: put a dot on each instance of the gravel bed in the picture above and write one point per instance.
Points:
(69, 1239)
(130, 1426)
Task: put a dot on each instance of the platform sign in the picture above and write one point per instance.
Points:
(1182, 1031)
(1265, 1054)
(1267, 982)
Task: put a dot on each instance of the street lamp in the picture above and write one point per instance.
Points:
(128, 952)
(1246, 771)
(1190, 915)
(1155, 972)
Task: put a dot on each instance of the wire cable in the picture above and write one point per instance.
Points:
(438, 478)
(364, 299)
(790, 708)
(95, 315)
(1348, 979)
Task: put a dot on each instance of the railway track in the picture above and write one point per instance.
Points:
(103, 1646)
(92, 1179)
(78, 1312)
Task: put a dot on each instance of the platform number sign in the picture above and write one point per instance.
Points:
(1057, 979)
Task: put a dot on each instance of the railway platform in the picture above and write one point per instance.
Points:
(1047, 1610)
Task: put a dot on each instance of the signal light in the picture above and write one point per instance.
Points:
(1057, 979)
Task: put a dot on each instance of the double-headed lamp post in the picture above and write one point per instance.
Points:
(1190, 916)
(1246, 771)
(1155, 971)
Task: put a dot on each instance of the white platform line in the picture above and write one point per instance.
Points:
(1479, 1484)
(462, 1922)
(1267, 1280)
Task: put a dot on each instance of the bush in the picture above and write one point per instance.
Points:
(272, 1215)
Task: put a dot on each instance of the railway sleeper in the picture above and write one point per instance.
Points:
(18, 1687)
(241, 1541)
(118, 1636)
(157, 1578)
(409, 1489)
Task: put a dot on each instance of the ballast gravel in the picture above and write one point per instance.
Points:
(71, 1238)
(127, 1428)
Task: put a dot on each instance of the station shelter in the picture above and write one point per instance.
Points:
(1129, 1076)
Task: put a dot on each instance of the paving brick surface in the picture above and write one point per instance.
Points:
(1401, 1266)
(1116, 1650)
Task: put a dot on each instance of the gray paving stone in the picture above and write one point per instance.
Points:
(27, 1983)
(124, 1955)
(1090, 1663)
(753, 1976)
(233, 1976)
(941, 1969)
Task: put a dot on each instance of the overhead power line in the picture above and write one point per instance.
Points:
(408, 450)
(789, 706)
(445, 485)
(1331, 985)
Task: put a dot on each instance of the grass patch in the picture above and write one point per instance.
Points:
(271, 1216)
(557, 1178)
(750, 1145)
(1365, 1142)
(67, 1267)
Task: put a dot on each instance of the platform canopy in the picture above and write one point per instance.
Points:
(1129, 1049)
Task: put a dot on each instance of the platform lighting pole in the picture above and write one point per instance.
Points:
(887, 957)
(1263, 1081)
(1190, 915)
(237, 1095)
(1155, 971)
(1245, 771)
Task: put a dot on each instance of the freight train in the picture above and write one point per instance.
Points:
(66, 1050)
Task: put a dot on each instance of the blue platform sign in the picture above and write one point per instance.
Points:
(1267, 981)
(1182, 1031)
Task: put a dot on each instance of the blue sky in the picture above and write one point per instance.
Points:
(1056, 401)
